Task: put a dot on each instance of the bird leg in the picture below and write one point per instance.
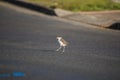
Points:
(59, 48)
(63, 49)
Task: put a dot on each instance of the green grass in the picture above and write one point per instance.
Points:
(79, 5)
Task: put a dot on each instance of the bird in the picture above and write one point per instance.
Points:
(63, 43)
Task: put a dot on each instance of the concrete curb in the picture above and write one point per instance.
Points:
(62, 13)
(96, 18)
(39, 8)
(31, 6)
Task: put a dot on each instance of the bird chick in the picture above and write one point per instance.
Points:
(63, 43)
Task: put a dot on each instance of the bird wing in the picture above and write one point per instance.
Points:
(65, 42)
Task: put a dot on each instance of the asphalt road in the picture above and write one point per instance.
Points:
(28, 43)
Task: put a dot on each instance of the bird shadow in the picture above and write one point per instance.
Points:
(47, 50)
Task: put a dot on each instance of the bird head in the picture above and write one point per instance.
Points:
(59, 37)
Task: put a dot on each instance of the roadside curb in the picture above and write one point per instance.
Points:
(105, 19)
(53, 12)
(31, 6)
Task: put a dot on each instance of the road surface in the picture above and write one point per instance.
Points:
(28, 43)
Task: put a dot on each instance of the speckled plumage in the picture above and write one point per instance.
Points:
(63, 43)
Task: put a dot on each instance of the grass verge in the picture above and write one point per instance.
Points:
(79, 5)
